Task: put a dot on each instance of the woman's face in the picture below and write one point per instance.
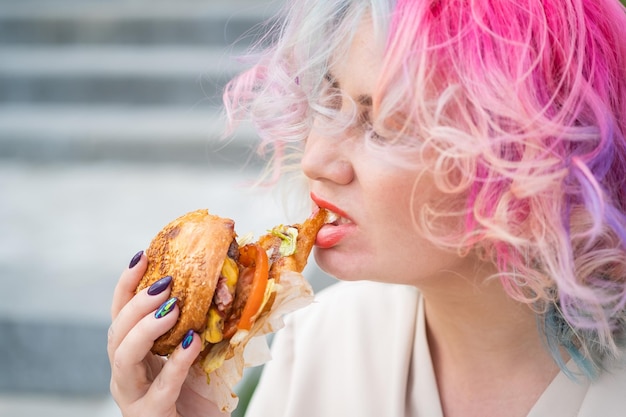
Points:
(375, 238)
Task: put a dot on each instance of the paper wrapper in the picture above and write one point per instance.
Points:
(248, 348)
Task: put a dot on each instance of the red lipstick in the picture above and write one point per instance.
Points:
(328, 206)
(332, 234)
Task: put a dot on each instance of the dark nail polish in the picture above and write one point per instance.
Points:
(166, 308)
(187, 339)
(159, 286)
(135, 259)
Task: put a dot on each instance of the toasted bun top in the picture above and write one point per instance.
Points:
(191, 249)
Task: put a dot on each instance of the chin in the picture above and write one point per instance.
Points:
(343, 267)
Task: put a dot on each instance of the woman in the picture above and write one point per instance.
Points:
(475, 153)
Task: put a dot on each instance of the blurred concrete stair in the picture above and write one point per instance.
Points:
(97, 100)
(75, 74)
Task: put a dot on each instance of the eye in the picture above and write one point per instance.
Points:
(373, 135)
(368, 127)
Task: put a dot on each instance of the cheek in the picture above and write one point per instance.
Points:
(406, 256)
(401, 234)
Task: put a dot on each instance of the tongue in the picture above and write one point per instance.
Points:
(328, 236)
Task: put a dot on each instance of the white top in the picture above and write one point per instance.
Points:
(327, 362)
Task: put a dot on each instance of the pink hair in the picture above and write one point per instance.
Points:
(519, 108)
(526, 99)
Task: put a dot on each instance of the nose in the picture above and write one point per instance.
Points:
(325, 159)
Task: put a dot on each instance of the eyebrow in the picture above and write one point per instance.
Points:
(364, 100)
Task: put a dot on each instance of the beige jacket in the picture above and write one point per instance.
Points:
(361, 350)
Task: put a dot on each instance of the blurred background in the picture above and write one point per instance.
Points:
(109, 127)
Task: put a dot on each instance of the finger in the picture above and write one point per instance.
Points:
(129, 374)
(125, 288)
(167, 386)
(139, 306)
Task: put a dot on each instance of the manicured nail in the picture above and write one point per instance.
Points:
(166, 308)
(135, 259)
(159, 286)
(188, 339)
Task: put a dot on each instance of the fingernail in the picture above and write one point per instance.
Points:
(159, 286)
(166, 308)
(188, 339)
(135, 259)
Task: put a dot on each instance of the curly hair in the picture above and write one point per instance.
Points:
(519, 110)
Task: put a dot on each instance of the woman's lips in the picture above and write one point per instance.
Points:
(337, 226)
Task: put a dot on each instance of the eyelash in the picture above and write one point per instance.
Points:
(368, 128)
(375, 136)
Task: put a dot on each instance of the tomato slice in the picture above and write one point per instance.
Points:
(253, 255)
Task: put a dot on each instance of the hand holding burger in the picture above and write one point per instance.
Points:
(229, 290)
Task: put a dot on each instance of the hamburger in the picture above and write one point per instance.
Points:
(229, 289)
